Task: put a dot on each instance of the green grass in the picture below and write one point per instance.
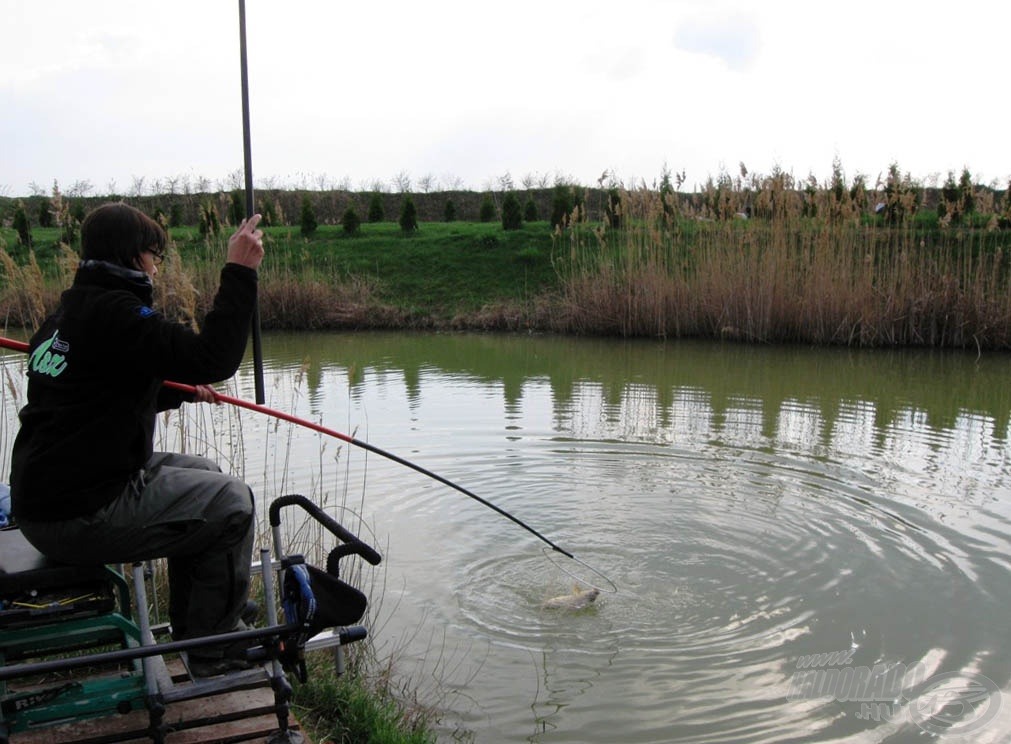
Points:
(442, 269)
(347, 710)
(46, 241)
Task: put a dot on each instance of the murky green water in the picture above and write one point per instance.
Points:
(808, 544)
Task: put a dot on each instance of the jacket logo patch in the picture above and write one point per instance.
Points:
(145, 311)
(47, 359)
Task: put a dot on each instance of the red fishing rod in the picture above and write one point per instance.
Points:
(9, 343)
(239, 402)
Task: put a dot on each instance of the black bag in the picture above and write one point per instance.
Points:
(316, 599)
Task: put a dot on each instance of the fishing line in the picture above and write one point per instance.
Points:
(582, 579)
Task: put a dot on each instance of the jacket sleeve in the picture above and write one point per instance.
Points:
(169, 398)
(172, 351)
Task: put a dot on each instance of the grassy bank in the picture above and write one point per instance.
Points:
(354, 708)
(759, 260)
(441, 273)
(444, 274)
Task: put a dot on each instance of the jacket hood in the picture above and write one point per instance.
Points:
(114, 276)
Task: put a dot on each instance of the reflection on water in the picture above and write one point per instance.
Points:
(757, 508)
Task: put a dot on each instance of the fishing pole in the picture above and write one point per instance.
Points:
(240, 403)
(247, 162)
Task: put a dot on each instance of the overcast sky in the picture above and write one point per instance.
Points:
(121, 93)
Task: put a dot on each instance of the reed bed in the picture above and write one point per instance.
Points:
(711, 270)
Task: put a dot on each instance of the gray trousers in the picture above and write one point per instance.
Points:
(183, 508)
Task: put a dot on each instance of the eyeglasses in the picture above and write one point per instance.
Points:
(156, 255)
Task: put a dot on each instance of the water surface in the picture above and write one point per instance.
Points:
(775, 520)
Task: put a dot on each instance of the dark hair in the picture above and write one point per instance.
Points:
(119, 233)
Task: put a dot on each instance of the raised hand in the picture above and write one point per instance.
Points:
(245, 246)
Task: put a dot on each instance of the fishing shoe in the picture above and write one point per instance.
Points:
(248, 618)
(232, 655)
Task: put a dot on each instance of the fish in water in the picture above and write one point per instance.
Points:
(580, 599)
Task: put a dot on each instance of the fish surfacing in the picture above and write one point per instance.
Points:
(580, 599)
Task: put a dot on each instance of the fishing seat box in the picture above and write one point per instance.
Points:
(37, 590)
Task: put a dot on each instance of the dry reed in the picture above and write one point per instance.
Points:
(27, 295)
(771, 263)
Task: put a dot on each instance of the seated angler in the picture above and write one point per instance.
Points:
(86, 485)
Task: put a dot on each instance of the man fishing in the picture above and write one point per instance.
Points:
(86, 485)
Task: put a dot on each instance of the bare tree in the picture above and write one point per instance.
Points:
(269, 183)
(137, 187)
(402, 182)
(426, 183)
(452, 182)
(203, 184)
(80, 188)
(171, 184)
(35, 189)
(505, 182)
(5, 189)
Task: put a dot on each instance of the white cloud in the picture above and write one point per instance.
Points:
(113, 89)
(733, 39)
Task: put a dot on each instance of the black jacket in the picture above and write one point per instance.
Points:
(95, 372)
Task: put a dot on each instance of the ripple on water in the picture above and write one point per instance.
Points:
(730, 565)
